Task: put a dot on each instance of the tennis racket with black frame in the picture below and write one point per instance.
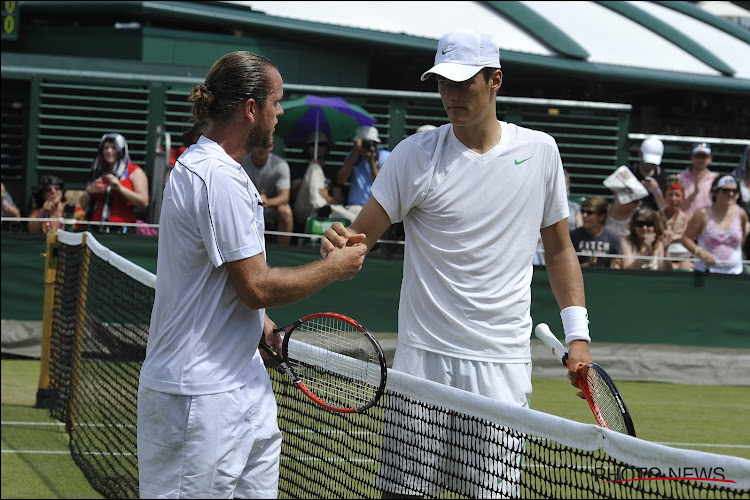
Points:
(334, 360)
(602, 395)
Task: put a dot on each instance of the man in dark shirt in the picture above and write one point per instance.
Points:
(593, 241)
(650, 173)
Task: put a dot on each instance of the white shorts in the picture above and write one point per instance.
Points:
(506, 382)
(438, 454)
(221, 445)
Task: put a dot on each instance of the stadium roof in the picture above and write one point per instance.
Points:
(668, 43)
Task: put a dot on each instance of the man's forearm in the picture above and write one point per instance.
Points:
(566, 279)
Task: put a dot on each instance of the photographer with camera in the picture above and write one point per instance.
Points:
(359, 170)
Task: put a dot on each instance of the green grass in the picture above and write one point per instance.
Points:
(705, 416)
(666, 413)
(34, 475)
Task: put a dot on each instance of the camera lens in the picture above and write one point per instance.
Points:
(367, 144)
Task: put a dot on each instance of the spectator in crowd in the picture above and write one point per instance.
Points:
(118, 187)
(644, 240)
(49, 202)
(621, 210)
(697, 179)
(593, 241)
(271, 176)
(675, 223)
(741, 174)
(189, 137)
(717, 232)
(649, 172)
(359, 170)
(9, 207)
(628, 193)
(316, 194)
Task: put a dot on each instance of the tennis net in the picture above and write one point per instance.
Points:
(422, 438)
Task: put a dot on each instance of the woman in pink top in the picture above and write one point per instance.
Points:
(716, 233)
(697, 179)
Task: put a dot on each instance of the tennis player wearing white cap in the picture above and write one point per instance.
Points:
(473, 196)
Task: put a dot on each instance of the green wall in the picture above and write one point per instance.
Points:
(314, 65)
(624, 306)
(81, 41)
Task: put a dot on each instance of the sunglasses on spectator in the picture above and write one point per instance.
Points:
(585, 211)
(729, 191)
(51, 187)
(642, 223)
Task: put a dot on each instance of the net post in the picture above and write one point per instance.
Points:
(80, 319)
(50, 273)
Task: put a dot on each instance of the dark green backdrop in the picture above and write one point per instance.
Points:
(624, 306)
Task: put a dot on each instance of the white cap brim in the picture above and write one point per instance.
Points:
(652, 158)
(452, 71)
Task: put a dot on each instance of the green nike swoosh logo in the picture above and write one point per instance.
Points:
(527, 159)
(446, 51)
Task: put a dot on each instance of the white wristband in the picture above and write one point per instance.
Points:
(575, 320)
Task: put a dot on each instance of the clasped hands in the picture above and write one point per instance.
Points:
(337, 236)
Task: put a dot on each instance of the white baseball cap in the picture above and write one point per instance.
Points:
(462, 54)
(368, 133)
(652, 149)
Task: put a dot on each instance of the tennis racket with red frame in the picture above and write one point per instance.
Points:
(334, 360)
(597, 386)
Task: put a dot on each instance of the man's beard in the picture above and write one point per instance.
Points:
(260, 136)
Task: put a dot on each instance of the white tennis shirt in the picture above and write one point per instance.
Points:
(203, 339)
(472, 223)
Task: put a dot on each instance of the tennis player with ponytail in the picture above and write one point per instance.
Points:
(473, 196)
(206, 411)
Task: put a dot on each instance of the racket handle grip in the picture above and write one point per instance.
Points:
(544, 334)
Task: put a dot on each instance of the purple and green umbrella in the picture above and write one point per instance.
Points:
(334, 116)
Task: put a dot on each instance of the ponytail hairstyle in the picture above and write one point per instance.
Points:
(232, 80)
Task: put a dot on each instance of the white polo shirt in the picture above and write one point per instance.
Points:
(203, 339)
(472, 224)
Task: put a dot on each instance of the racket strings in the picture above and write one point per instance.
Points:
(341, 366)
(607, 401)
